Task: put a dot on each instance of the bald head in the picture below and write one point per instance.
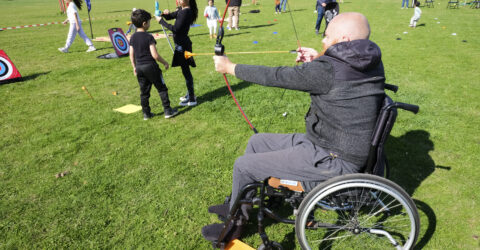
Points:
(346, 27)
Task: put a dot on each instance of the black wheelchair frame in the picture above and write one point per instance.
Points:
(343, 195)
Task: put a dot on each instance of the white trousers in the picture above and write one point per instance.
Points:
(212, 26)
(73, 32)
(413, 21)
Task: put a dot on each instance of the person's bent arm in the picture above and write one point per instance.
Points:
(167, 15)
(132, 60)
(156, 56)
(77, 24)
(180, 23)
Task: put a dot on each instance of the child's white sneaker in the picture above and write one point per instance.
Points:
(188, 102)
(91, 48)
(63, 50)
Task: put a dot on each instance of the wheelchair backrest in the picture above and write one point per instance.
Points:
(376, 157)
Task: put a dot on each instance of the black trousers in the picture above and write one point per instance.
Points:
(148, 74)
(179, 60)
(189, 82)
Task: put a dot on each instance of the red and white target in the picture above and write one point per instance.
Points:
(119, 41)
(8, 70)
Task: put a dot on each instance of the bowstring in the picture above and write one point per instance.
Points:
(299, 46)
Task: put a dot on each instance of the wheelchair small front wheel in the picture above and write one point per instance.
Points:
(357, 211)
(273, 246)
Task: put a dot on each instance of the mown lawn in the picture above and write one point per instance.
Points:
(147, 184)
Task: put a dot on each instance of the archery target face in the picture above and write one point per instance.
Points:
(7, 69)
(119, 41)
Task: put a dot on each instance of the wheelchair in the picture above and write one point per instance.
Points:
(363, 210)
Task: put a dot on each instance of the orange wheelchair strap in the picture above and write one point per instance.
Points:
(238, 245)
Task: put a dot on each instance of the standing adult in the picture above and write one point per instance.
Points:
(320, 7)
(233, 14)
(184, 17)
(405, 3)
(283, 4)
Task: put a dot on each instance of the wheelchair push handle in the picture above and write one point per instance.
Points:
(410, 107)
(391, 87)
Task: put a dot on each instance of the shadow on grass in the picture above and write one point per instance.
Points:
(410, 164)
(280, 209)
(219, 92)
(432, 223)
(24, 78)
(409, 159)
(257, 26)
(110, 47)
(116, 11)
(294, 10)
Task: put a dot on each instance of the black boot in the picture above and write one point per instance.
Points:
(169, 112)
(212, 232)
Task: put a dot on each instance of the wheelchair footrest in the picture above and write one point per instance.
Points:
(238, 245)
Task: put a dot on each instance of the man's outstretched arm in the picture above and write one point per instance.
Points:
(315, 77)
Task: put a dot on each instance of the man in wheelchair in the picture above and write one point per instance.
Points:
(346, 84)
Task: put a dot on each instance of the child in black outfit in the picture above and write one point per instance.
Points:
(143, 53)
(185, 17)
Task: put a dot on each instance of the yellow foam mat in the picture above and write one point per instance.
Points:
(238, 245)
(129, 108)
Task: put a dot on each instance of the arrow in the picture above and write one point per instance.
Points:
(190, 54)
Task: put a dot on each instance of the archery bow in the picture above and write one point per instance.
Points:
(219, 51)
(166, 36)
(158, 12)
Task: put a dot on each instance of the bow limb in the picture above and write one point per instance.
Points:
(219, 51)
(168, 39)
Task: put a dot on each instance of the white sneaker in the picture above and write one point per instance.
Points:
(228, 28)
(184, 98)
(91, 48)
(237, 28)
(63, 50)
(188, 103)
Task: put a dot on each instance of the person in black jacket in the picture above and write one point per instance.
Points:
(345, 82)
(185, 17)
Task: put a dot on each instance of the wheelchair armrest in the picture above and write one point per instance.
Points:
(391, 87)
(410, 107)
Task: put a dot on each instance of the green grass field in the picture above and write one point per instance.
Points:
(147, 184)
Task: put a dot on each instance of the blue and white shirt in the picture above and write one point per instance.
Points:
(212, 13)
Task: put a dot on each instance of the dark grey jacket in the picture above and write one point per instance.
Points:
(234, 3)
(346, 87)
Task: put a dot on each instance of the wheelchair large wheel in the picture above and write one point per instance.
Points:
(357, 211)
